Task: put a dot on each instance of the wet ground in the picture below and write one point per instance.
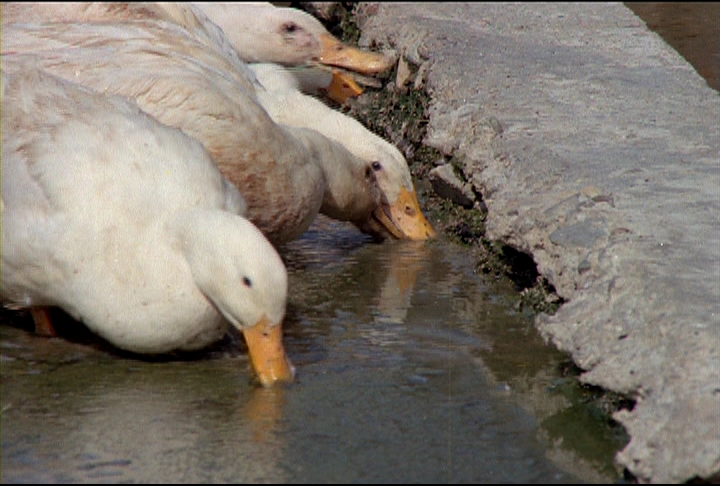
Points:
(411, 368)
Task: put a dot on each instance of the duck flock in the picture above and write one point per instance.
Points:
(155, 156)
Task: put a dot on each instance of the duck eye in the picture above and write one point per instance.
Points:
(247, 282)
(376, 166)
(289, 27)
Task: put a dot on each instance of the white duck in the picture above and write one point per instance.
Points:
(266, 36)
(406, 219)
(259, 31)
(128, 225)
(287, 105)
(182, 14)
(280, 36)
(286, 174)
(256, 31)
(262, 32)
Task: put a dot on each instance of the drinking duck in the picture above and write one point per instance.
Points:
(127, 225)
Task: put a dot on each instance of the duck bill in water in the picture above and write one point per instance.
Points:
(400, 220)
(336, 53)
(267, 354)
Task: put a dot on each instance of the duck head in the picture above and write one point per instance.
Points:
(240, 272)
(398, 215)
(266, 33)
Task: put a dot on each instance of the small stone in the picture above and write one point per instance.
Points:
(580, 235)
(421, 74)
(449, 186)
(403, 73)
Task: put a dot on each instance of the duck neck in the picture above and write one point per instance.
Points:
(222, 249)
(351, 191)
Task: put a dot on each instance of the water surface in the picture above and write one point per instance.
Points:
(411, 368)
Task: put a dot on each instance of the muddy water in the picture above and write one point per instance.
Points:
(691, 28)
(410, 368)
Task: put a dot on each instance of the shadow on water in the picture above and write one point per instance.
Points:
(410, 368)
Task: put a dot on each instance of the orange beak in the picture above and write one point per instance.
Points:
(342, 86)
(267, 354)
(336, 53)
(401, 220)
(406, 214)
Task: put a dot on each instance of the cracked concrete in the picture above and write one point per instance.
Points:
(596, 148)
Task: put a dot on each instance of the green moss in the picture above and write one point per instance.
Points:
(392, 113)
(540, 297)
(601, 403)
(338, 19)
(348, 28)
(401, 116)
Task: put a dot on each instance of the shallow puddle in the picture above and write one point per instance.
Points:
(410, 369)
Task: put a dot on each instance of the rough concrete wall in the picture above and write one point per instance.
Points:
(596, 148)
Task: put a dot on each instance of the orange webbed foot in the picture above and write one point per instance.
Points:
(43, 324)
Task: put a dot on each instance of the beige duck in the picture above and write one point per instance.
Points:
(286, 174)
(128, 226)
(287, 105)
(265, 35)
(401, 216)
(262, 32)
(256, 31)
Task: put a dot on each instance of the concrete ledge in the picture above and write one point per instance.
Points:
(607, 172)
